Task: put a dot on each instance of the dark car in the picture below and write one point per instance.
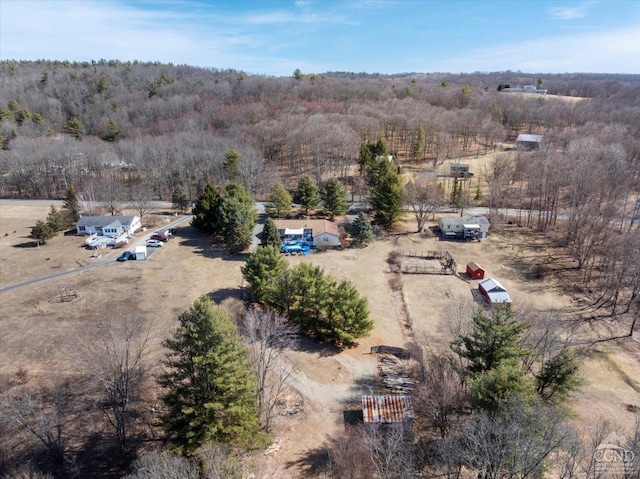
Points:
(127, 255)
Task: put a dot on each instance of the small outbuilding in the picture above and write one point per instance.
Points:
(493, 291)
(387, 409)
(527, 142)
(474, 271)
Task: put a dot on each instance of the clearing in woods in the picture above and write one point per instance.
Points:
(40, 334)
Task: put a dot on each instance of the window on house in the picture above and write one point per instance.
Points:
(82, 228)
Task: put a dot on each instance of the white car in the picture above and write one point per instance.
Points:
(154, 243)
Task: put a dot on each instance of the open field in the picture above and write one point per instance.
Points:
(40, 334)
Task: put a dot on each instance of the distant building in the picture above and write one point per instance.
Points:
(525, 89)
(460, 170)
(464, 227)
(527, 142)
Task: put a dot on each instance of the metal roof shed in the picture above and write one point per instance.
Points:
(493, 291)
(387, 409)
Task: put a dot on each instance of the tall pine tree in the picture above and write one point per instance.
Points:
(307, 194)
(210, 386)
(71, 207)
(206, 210)
(279, 202)
(270, 235)
(334, 198)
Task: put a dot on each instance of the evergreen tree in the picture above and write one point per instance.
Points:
(231, 164)
(237, 217)
(417, 149)
(279, 202)
(361, 230)
(494, 389)
(179, 198)
(206, 210)
(210, 387)
(493, 340)
(327, 310)
(307, 194)
(334, 198)
(262, 272)
(238, 234)
(71, 207)
(348, 314)
(41, 232)
(558, 376)
(387, 198)
(270, 235)
(56, 220)
(113, 131)
(75, 128)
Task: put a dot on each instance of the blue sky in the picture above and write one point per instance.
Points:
(316, 36)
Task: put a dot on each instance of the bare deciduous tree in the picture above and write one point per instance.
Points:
(441, 396)
(268, 335)
(42, 412)
(425, 195)
(114, 352)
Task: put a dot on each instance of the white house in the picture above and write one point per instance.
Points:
(464, 227)
(111, 226)
(321, 233)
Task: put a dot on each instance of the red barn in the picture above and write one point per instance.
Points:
(474, 271)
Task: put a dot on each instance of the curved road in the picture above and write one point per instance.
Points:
(83, 268)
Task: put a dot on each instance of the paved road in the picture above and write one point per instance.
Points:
(257, 229)
(141, 240)
(59, 203)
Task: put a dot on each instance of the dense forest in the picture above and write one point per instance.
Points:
(133, 132)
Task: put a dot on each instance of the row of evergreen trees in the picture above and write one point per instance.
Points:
(58, 219)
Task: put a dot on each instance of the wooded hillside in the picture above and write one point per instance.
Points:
(133, 129)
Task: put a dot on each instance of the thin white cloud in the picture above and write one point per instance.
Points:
(604, 52)
(570, 13)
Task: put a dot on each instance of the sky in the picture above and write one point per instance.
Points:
(276, 37)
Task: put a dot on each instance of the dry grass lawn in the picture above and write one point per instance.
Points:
(41, 335)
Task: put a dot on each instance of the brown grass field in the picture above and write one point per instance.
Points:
(40, 334)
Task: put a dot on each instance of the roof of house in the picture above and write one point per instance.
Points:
(462, 220)
(317, 227)
(102, 221)
(386, 409)
(526, 137)
(474, 266)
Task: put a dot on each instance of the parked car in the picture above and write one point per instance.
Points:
(127, 255)
(160, 237)
(153, 243)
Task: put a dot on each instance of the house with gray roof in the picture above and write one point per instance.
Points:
(527, 142)
(110, 226)
(464, 227)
